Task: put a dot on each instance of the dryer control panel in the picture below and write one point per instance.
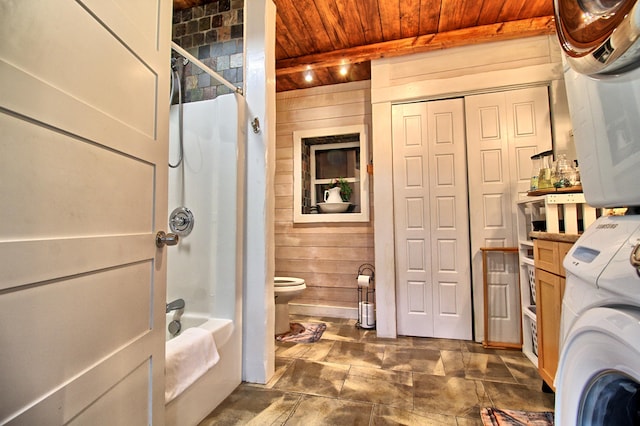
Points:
(601, 255)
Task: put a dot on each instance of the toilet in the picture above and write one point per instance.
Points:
(285, 289)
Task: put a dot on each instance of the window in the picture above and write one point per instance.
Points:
(331, 161)
(320, 157)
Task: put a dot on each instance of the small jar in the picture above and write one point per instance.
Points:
(563, 172)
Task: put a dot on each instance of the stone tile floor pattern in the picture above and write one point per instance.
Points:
(352, 377)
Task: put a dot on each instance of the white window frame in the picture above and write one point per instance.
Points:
(363, 178)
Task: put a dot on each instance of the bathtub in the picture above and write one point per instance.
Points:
(206, 393)
(220, 328)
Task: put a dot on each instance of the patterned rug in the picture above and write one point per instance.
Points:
(303, 333)
(497, 417)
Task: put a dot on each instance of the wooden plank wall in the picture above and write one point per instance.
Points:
(326, 255)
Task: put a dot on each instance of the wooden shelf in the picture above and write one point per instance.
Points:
(527, 261)
(551, 209)
(568, 190)
(553, 236)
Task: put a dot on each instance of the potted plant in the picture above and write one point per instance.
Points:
(345, 188)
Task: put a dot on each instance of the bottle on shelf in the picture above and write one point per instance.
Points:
(562, 172)
(576, 174)
(544, 177)
(535, 171)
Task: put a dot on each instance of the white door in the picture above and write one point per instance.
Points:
(504, 130)
(83, 189)
(430, 205)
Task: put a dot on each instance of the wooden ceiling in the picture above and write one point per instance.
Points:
(320, 36)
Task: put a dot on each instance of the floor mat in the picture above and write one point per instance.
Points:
(303, 333)
(497, 417)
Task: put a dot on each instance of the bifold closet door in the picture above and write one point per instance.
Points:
(431, 220)
(504, 129)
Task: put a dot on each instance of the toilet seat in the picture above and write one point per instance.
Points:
(280, 282)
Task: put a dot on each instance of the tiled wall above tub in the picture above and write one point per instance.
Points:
(213, 33)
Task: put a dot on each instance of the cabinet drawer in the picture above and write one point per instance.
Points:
(545, 255)
(549, 255)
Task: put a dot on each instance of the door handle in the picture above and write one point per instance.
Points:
(164, 239)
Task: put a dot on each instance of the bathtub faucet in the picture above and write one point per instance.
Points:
(175, 305)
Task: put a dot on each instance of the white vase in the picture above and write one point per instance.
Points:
(332, 195)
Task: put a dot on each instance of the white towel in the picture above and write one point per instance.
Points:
(188, 356)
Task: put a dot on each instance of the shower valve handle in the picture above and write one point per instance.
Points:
(164, 239)
(178, 221)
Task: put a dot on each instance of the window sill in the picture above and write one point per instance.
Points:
(331, 217)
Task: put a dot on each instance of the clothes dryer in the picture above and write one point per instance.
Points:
(600, 39)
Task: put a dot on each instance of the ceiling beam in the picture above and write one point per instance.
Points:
(494, 32)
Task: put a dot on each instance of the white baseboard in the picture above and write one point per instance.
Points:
(323, 311)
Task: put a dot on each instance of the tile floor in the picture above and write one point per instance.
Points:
(352, 377)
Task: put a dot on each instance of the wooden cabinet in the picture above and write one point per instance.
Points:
(550, 283)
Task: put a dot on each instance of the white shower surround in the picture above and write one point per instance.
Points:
(204, 268)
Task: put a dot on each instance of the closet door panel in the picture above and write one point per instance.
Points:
(430, 192)
(504, 130)
(414, 298)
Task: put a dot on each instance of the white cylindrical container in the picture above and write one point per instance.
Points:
(367, 314)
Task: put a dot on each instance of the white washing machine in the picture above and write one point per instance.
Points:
(598, 376)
